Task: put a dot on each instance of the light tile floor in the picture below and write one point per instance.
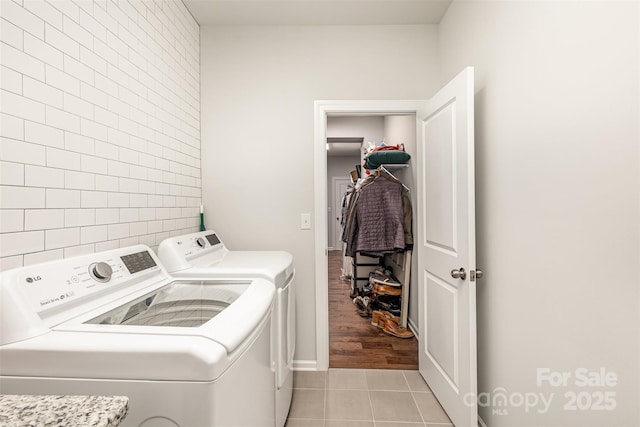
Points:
(363, 398)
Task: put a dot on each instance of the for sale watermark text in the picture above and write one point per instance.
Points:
(581, 377)
(581, 389)
(593, 394)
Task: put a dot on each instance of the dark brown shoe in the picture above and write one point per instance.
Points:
(363, 313)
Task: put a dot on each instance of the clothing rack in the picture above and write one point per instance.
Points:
(361, 269)
(399, 262)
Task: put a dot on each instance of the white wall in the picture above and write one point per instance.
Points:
(401, 130)
(100, 126)
(557, 179)
(371, 128)
(258, 89)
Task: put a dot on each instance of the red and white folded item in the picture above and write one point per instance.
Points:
(398, 147)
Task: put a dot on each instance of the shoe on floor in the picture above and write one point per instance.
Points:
(378, 314)
(392, 328)
(364, 313)
(362, 303)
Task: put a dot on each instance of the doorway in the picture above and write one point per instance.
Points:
(445, 231)
(323, 109)
(353, 341)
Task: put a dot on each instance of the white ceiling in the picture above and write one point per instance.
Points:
(317, 12)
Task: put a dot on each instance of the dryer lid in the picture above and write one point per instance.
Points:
(276, 266)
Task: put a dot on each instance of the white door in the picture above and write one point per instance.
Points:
(339, 188)
(446, 249)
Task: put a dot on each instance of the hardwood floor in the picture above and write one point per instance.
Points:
(353, 341)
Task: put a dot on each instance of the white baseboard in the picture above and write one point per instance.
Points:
(305, 365)
(481, 423)
(413, 328)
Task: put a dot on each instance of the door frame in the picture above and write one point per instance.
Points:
(322, 109)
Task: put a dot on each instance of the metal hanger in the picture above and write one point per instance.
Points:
(381, 168)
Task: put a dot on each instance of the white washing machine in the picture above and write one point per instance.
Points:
(204, 255)
(187, 353)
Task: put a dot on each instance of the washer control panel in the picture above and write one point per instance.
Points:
(138, 261)
(57, 283)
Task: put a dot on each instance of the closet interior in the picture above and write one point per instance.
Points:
(370, 179)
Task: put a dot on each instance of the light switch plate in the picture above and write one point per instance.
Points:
(305, 221)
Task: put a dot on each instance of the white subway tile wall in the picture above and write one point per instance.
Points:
(99, 126)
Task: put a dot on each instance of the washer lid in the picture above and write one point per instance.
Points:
(115, 356)
(221, 310)
(89, 347)
(179, 304)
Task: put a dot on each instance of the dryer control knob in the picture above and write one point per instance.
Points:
(200, 241)
(101, 271)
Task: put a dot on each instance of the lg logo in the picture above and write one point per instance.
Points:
(33, 279)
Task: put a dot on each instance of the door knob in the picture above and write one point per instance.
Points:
(459, 274)
(479, 273)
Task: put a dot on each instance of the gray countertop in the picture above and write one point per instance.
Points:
(46, 411)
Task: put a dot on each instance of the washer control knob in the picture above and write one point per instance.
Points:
(101, 271)
(200, 241)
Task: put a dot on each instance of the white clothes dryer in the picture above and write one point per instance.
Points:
(204, 255)
(187, 353)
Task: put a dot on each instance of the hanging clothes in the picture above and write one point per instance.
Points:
(344, 212)
(347, 261)
(379, 219)
(406, 207)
